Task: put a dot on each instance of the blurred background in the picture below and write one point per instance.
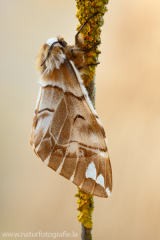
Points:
(33, 197)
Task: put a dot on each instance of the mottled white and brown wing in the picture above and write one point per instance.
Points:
(67, 134)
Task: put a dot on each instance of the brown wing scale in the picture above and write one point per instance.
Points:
(73, 146)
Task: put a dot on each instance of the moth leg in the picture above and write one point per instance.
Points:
(76, 37)
(92, 64)
(89, 49)
(85, 50)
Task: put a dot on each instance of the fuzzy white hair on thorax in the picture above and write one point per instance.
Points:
(53, 62)
(50, 41)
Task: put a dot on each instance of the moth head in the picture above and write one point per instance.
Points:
(54, 41)
(59, 42)
(62, 41)
(51, 55)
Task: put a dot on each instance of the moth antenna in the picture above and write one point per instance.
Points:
(76, 37)
(85, 23)
(92, 64)
(48, 52)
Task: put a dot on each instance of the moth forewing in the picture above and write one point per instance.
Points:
(67, 134)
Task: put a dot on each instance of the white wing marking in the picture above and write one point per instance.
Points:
(91, 171)
(100, 180)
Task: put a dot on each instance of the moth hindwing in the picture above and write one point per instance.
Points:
(67, 134)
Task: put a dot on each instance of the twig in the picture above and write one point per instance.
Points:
(91, 34)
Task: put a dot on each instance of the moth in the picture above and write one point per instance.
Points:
(67, 134)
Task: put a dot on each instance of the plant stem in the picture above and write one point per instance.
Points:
(91, 35)
(91, 88)
(86, 233)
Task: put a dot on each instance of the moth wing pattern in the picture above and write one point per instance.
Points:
(67, 134)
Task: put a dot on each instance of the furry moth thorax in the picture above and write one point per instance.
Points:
(55, 55)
